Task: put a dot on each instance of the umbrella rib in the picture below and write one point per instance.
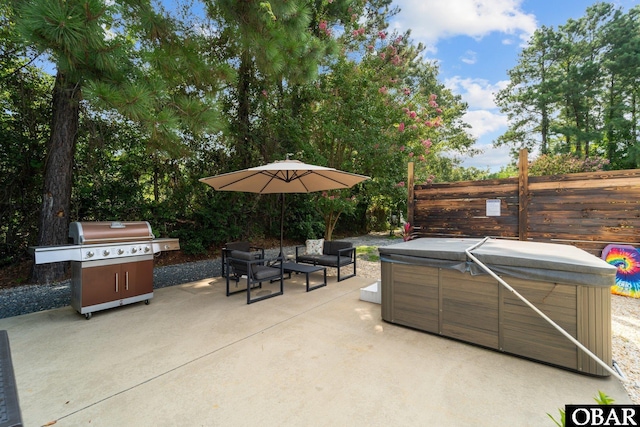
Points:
(238, 180)
(294, 176)
(299, 178)
(271, 178)
(284, 176)
(333, 179)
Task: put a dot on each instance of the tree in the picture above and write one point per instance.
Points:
(159, 102)
(123, 55)
(574, 89)
(580, 48)
(332, 205)
(24, 101)
(274, 46)
(621, 60)
(381, 106)
(529, 97)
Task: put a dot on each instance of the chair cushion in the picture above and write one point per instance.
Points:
(261, 272)
(327, 260)
(335, 245)
(238, 246)
(330, 260)
(248, 256)
(314, 247)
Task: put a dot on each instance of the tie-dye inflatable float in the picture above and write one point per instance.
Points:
(627, 259)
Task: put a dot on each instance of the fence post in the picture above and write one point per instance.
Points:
(410, 192)
(523, 195)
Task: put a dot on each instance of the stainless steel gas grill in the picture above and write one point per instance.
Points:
(111, 263)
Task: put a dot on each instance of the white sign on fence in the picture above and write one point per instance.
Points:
(493, 207)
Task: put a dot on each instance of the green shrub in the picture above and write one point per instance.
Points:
(601, 399)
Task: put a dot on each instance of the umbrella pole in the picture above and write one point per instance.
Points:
(281, 222)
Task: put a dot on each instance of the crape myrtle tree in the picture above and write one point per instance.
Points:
(376, 108)
(121, 55)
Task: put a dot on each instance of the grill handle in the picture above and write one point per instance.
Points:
(116, 282)
(126, 280)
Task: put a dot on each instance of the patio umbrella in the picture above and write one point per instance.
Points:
(284, 176)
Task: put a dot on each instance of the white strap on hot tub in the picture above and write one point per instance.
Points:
(534, 308)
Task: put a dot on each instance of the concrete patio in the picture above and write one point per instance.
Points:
(323, 358)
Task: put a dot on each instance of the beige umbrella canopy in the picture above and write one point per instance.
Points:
(284, 176)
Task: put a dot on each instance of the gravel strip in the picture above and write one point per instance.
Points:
(625, 343)
(26, 299)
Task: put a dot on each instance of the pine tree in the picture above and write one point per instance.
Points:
(124, 56)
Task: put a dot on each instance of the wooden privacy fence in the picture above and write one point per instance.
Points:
(588, 210)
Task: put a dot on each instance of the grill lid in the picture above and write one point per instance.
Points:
(83, 233)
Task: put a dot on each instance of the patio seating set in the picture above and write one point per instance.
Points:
(242, 261)
(282, 177)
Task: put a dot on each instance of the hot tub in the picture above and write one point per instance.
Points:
(429, 284)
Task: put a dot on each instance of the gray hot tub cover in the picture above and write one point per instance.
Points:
(550, 262)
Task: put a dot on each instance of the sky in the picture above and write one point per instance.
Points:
(475, 43)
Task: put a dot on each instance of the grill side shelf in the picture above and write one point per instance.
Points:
(47, 254)
(165, 244)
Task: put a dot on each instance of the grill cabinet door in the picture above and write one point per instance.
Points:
(137, 278)
(107, 281)
(100, 284)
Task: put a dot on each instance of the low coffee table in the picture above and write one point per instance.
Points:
(292, 267)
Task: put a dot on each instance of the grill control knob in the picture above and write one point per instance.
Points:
(106, 252)
(134, 250)
(147, 249)
(90, 254)
(120, 251)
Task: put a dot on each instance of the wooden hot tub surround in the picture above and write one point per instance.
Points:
(429, 284)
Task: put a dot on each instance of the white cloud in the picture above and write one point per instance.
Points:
(484, 121)
(431, 21)
(492, 158)
(478, 93)
(108, 33)
(470, 57)
(483, 115)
